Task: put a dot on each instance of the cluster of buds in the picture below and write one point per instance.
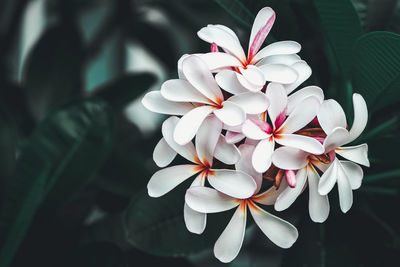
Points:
(255, 142)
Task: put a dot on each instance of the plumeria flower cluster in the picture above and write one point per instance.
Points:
(249, 141)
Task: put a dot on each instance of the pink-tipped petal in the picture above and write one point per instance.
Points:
(261, 27)
(214, 47)
(255, 130)
(290, 177)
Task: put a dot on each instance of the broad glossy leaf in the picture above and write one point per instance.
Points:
(58, 159)
(341, 26)
(376, 68)
(156, 225)
(52, 73)
(123, 90)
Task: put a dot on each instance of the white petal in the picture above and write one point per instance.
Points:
(302, 114)
(224, 39)
(188, 125)
(328, 178)
(244, 164)
(195, 221)
(289, 195)
(280, 232)
(318, 205)
(247, 84)
(336, 138)
(230, 114)
(208, 200)
(269, 197)
(180, 71)
(232, 183)
(278, 100)
(226, 152)
(360, 117)
(261, 158)
(279, 73)
(331, 116)
(302, 142)
(354, 172)
(262, 25)
(227, 80)
(279, 59)
(289, 158)
(358, 154)
(167, 179)
(154, 102)
(304, 72)
(253, 131)
(182, 91)
(230, 241)
(163, 154)
(187, 151)
(207, 138)
(218, 60)
(278, 48)
(251, 103)
(295, 98)
(344, 188)
(227, 29)
(253, 75)
(197, 73)
(234, 137)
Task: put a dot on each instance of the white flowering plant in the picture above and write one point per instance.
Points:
(249, 129)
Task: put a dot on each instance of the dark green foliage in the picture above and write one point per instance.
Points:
(74, 168)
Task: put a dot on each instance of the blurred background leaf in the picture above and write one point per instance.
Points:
(76, 143)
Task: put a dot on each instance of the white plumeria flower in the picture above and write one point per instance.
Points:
(201, 88)
(289, 158)
(283, 128)
(347, 174)
(276, 62)
(208, 200)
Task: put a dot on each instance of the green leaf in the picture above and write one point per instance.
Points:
(342, 27)
(237, 10)
(123, 90)
(54, 162)
(156, 225)
(52, 74)
(376, 68)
